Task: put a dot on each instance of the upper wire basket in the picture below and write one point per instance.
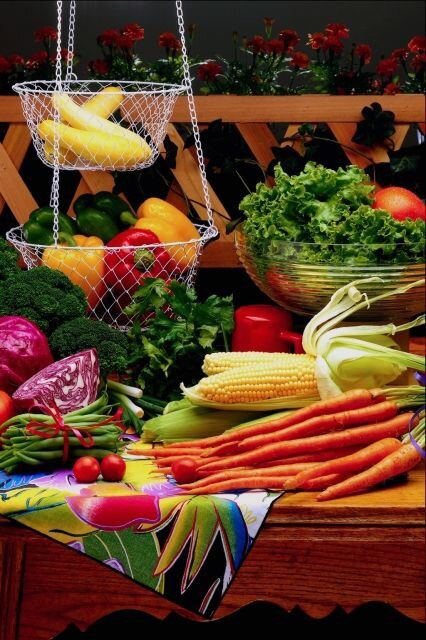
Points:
(98, 125)
(112, 125)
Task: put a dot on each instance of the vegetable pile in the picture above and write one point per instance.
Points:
(342, 446)
(331, 211)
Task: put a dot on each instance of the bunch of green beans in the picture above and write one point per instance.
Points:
(18, 447)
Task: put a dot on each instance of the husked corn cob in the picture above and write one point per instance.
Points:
(224, 360)
(270, 379)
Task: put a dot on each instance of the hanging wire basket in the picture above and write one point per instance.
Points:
(109, 276)
(113, 125)
(98, 125)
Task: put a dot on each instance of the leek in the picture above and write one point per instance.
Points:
(358, 356)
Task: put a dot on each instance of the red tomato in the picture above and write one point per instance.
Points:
(400, 203)
(86, 469)
(6, 407)
(184, 470)
(113, 468)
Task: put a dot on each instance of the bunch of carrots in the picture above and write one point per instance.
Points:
(340, 446)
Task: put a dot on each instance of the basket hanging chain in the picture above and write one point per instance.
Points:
(69, 75)
(54, 194)
(191, 104)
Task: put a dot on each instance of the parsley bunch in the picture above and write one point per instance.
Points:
(172, 332)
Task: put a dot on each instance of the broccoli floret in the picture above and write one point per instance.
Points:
(45, 296)
(8, 260)
(79, 334)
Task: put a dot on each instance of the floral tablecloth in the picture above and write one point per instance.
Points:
(187, 548)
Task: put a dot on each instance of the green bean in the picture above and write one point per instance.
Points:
(24, 458)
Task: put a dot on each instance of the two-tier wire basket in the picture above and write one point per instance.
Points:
(89, 125)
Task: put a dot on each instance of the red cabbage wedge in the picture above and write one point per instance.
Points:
(70, 384)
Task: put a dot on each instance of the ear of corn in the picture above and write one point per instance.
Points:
(96, 147)
(271, 384)
(222, 361)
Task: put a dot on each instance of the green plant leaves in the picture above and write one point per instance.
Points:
(376, 128)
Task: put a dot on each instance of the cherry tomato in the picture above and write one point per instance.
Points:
(6, 407)
(184, 470)
(86, 469)
(113, 468)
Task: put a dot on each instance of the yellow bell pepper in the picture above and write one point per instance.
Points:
(171, 226)
(162, 210)
(83, 266)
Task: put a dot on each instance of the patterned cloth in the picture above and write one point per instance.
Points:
(187, 548)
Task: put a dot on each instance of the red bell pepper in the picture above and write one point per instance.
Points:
(133, 260)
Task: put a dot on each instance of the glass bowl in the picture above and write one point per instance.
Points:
(294, 277)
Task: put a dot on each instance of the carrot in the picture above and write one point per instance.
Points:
(166, 462)
(362, 435)
(162, 452)
(359, 461)
(322, 482)
(318, 456)
(396, 463)
(281, 470)
(266, 482)
(354, 399)
(324, 424)
(228, 448)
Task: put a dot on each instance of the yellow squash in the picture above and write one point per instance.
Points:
(83, 266)
(96, 147)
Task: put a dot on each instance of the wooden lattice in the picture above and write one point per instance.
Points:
(251, 116)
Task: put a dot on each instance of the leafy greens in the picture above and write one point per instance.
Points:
(325, 216)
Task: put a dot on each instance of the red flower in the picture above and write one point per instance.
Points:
(5, 65)
(391, 88)
(134, 31)
(290, 38)
(337, 29)
(38, 58)
(100, 67)
(333, 44)
(208, 71)
(364, 52)
(300, 60)
(256, 45)
(125, 42)
(275, 46)
(169, 41)
(399, 54)
(108, 38)
(16, 59)
(418, 63)
(416, 44)
(45, 33)
(387, 67)
(316, 40)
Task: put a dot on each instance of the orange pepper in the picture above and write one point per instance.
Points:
(83, 266)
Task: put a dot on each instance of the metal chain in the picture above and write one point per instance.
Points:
(188, 85)
(54, 194)
(70, 75)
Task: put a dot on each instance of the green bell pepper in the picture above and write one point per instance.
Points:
(102, 214)
(39, 227)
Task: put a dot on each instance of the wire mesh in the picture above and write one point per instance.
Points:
(110, 276)
(102, 125)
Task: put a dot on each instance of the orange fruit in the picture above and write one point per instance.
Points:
(400, 203)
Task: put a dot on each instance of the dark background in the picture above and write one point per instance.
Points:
(383, 25)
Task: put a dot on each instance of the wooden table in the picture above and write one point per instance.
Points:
(315, 555)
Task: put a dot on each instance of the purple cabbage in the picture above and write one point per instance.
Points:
(69, 384)
(24, 350)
